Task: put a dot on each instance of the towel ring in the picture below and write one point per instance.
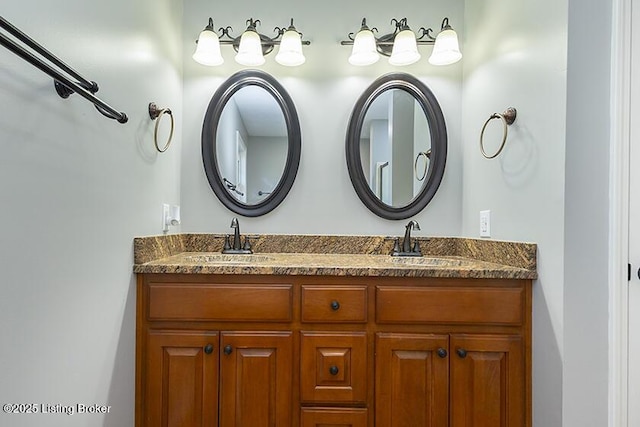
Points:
(427, 156)
(508, 117)
(154, 113)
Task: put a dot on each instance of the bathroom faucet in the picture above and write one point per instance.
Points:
(408, 249)
(237, 247)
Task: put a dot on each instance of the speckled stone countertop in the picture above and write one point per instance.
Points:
(336, 256)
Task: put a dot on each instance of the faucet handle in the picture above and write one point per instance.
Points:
(416, 247)
(396, 246)
(247, 244)
(227, 243)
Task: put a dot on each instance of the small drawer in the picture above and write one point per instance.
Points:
(330, 417)
(450, 305)
(329, 304)
(220, 302)
(333, 367)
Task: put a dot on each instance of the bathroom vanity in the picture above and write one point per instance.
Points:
(332, 337)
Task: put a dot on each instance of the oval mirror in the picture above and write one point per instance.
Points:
(396, 146)
(251, 143)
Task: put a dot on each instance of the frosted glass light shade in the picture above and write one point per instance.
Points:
(405, 49)
(250, 49)
(364, 50)
(446, 50)
(208, 49)
(290, 50)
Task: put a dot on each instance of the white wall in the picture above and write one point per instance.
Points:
(515, 55)
(324, 91)
(76, 188)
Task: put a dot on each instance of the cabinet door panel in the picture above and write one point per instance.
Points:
(256, 379)
(487, 381)
(181, 379)
(412, 380)
(333, 367)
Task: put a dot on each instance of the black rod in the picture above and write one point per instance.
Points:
(101, 106)
(91, 86)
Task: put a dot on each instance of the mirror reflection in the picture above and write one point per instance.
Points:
(251, 144)
(395, 147)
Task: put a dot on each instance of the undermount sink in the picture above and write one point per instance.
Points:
(227, 258)
(428, 261)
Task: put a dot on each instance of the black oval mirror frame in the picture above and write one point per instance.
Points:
(438, 131)
(209, 131)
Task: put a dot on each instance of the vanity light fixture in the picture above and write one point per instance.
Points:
(401, 46)
(251, 46)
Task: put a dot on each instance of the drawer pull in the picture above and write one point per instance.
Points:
(228, 349)
(335, 305)
(333, 370)
(462, 353)
(442, 353)
(208, 349)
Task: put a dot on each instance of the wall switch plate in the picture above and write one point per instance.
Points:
(485, 223)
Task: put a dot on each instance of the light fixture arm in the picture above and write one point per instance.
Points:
(363, 27)
(445, 25)
(425, 33)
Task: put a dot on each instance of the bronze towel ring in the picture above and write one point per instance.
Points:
(427, 157)
(507, 117)
(154, 113)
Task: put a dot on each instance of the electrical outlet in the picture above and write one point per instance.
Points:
(485, 223)
(165, 217)
(170, 216)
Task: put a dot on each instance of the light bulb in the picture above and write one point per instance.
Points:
(405, 49)
(208, 49)
(290, 50)
(364, 50)
(446, 49)
(250, 49)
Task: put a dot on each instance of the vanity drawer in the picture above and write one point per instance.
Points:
(333, 417)
(329, 304)
(413, 304)
(220, 302)
(333, 367)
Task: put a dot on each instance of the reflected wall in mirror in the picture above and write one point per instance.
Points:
(396, 146)
(251, 143)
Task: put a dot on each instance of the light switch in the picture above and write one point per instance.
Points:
(485, 223)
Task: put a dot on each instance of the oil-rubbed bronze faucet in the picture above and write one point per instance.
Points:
(237, 247)
(407, 248)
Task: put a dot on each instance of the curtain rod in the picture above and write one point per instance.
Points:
(64, 86)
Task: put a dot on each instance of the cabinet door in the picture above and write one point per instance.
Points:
(487, 381)
(181, 379)
(412, 380)
(333, 367)
(256, 379)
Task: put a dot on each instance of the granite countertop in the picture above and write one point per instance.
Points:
(336, 256)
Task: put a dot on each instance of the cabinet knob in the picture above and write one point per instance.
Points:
(442, 353)
(333, 370)
(208, 349)
(335, 305)
(462, 353)
(228, 349)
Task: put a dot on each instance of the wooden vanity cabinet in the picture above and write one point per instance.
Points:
(325, 351)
